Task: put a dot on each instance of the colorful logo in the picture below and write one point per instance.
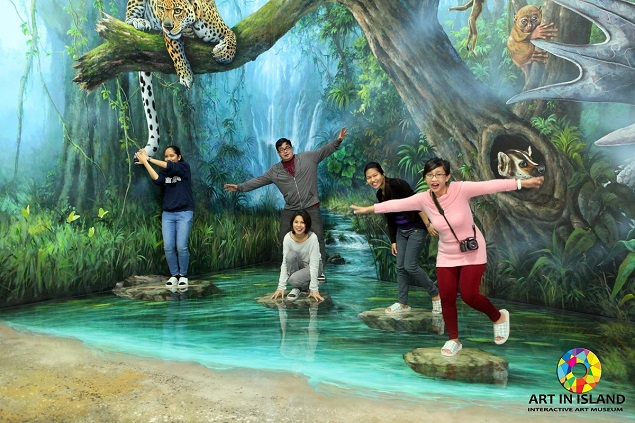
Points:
(569, 360)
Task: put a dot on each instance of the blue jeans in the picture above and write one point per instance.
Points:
(176, 228)
(409, 245)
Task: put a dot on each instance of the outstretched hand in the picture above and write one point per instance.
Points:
(343, 134)
(362, 210)
(231, 187)
(535, 182)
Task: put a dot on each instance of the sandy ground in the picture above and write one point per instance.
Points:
(49, 379)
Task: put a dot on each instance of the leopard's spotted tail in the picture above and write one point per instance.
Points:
(152, 118)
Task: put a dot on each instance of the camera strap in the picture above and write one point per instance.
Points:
(436, 203)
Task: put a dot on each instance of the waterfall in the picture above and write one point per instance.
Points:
(277, 95)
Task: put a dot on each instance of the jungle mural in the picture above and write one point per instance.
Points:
(505, 91)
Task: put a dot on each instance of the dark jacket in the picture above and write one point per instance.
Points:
(396, 189)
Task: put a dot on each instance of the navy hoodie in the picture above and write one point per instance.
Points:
(177, 181)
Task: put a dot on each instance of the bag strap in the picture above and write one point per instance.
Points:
(436, 203)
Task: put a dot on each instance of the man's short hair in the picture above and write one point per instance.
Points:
(282, 141)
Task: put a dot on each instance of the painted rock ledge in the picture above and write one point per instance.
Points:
(152, 288)
(469, 365)
(416, 320)
(302, 302)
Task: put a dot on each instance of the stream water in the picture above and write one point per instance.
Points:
(331, 347)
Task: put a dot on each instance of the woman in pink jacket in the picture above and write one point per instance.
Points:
(462, 256)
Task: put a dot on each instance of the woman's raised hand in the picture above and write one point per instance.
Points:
(142, 156)
(343, 133)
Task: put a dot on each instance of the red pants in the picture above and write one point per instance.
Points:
(467, 281)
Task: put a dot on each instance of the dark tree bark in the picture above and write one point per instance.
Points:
(463, 119)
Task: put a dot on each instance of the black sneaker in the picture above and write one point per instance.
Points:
(322, 278)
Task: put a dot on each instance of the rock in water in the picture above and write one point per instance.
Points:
(152, 288)
(302, 302)
(416, 320)
(469, 365)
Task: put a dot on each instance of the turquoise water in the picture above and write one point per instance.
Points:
(331, 347)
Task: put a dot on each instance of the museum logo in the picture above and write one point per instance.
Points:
(579, 371)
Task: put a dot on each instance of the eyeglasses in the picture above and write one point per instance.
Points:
(430, 176)
(283, 149)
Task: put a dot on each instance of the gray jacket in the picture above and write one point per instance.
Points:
(299, 191)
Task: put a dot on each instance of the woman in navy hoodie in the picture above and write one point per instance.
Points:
(178, 209)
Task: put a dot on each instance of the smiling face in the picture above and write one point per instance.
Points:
(437, 180)
(298, 225)
(171, 156)
(375, 178)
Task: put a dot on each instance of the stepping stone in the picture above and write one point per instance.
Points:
(302, 302)
(152, 288)
(416, 320)
(469, 365)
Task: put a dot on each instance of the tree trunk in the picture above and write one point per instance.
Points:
(462, 118)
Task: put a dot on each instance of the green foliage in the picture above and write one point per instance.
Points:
(227, 165)
(615, 346)
(43, 257)
(602, 202)
(412, 157)
(342, 95)
(79, 41)
(489, 62)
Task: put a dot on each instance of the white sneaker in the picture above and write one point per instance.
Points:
(171, 282)
(183, 282)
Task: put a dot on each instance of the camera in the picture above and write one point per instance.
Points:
(469, 244)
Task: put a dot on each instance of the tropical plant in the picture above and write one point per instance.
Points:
(412, 157)
(44, 257)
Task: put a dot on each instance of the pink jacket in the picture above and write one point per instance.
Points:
(456, 206)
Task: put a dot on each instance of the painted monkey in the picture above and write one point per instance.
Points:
(477, 8)
(528, 26)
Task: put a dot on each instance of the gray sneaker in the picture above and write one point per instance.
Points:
(322, 278)
(293, 294)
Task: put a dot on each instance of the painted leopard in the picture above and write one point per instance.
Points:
(176, 18)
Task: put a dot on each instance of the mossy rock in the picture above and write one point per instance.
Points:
(469, 365)
(302, 302)
(416, 320)
(152, 288)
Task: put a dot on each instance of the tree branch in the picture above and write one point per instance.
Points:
(126, 49)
